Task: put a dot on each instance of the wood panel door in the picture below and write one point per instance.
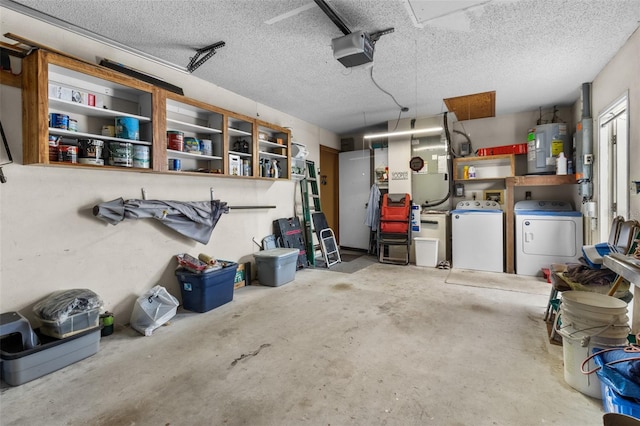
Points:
(329, 184)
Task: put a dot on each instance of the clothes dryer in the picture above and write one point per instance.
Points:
(477, 236)
(546, 232)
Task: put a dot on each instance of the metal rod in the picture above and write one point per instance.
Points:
(250, 207)
(333, 15)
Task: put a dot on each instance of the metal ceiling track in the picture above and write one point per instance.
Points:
(333, 15)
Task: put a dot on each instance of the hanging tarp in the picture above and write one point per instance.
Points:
(193, 219)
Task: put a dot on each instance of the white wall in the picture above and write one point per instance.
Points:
(621, 74)
(51, 241)
(400, 152)
(485, 132)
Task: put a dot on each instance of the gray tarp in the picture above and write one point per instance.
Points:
(194, 219)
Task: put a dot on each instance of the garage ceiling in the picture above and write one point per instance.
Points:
(532, 53)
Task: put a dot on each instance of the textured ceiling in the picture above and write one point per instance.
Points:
(532, 53)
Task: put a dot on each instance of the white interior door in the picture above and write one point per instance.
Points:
(355, 184)
(613, 164)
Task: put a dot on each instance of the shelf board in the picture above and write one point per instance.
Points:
(241, 154)
(541, 180)
(92, 111)
(484, 158)
(487, 179)
(181, 125)
(271, 144)
(271, 155)
(77, 135)
(181, 154)
(238, 132)
(105, 167)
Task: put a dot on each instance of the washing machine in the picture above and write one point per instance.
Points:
(546, 232)
(477, 236)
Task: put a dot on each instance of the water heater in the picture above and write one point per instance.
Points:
(545, 142)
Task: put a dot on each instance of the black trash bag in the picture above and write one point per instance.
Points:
(61, 304)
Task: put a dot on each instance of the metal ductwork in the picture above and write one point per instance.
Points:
(584, 147)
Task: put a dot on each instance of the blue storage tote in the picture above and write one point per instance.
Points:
(613, 402)
(202, 292)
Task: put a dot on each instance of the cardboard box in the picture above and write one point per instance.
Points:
(239, 280)
(519, 148)
(59, 92)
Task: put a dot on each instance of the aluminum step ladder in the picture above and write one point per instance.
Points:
(327, 238)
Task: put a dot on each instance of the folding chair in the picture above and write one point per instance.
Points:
(394, 228)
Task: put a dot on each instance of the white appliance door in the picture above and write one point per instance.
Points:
(355, 184)
(477, 241)
(553, 236)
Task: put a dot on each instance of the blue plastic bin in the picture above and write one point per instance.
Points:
(612, 402)
(202, 292)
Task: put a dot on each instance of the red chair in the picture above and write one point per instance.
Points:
(394, 229)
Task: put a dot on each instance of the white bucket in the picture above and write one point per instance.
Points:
(589, 320)
(574, 354)
(141, 156)
(594, 302)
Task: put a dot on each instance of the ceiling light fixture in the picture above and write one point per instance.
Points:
(404, 132)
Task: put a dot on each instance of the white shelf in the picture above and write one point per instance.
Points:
(76, 108)
(180, 154)
(181, 125)
(77, 135)
(296, 176)
(238, 132)
(241, 154)
(271, 155)
(271, 144)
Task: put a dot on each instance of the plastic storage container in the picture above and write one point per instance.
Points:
(202, 292)
(74, 324)
(276, 266)
(20, 366)
(612, 402)
(426, 251)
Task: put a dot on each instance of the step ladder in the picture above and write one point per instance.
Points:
(315, 222)
(327, 239)
(310, 181)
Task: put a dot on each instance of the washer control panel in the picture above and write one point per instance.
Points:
(478, 205)
(543, 205)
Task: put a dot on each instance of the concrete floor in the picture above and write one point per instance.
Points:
(386, 345)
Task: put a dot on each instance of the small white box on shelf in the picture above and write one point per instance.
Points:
(235, 165)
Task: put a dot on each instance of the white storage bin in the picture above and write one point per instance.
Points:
(426, 251)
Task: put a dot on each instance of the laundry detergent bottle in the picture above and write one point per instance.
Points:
(561, 164)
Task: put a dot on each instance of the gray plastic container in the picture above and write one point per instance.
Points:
(21, 366)
(276, 266)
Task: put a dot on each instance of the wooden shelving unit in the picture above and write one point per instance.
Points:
(490, 167)
(53, 83)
